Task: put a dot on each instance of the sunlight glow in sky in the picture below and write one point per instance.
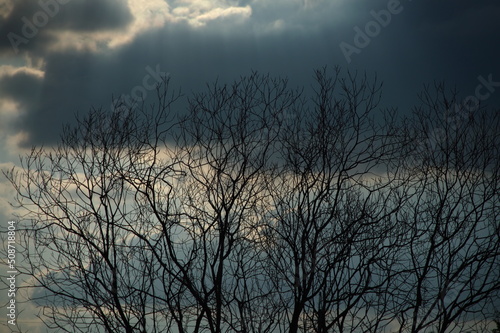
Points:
(86, 51)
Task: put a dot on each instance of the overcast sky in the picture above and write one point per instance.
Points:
(59, 57)
(64, 56)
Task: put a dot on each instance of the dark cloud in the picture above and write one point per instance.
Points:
(426, 41)
(94, 15)
(455, 41)
(23, 88)
(68, 88)
(31, 26)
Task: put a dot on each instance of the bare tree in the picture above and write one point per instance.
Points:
(83, 197)
(263, 211)
(332, 202)
(450, 279)
(227, 151)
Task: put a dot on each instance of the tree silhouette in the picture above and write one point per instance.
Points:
(262, 210)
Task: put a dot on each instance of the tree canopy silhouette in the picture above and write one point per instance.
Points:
(262, 209)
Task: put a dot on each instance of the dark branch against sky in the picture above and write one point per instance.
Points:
(62, 57)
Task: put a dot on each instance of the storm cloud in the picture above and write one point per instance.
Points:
(84, 53)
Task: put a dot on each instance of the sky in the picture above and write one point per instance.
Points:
(61, 57)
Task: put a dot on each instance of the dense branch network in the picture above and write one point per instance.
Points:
(261, 210)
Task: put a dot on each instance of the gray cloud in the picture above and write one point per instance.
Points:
(425, 42)
(32, 26)
(94, 49)
(22, 86)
